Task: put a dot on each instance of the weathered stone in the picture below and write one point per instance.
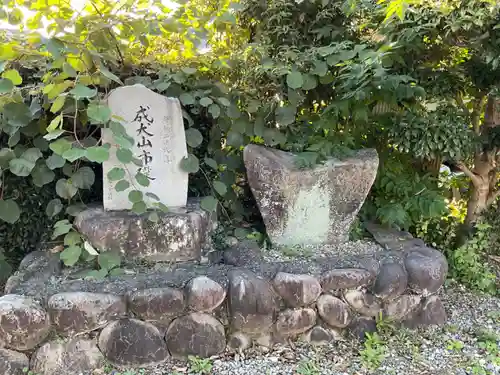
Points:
(158, 126)
(23, 322)
(77, 356)
(346, 278)
(243, 254)
(360, 326)
(392, 239)
(253, 303)
(318, 336)
(391, 281)
(181, 234)
(78, 312)
(430, 313)
(39, 265)
(204, 294)
(363, 302)
(334, 311)
(13, 363)
(427, 269)
(266, 340)
(295, 321)
(196, 334)
(311, 206)
(131, 342)
(238, 342)
(297, 290)
(402, 306)
(157, 305)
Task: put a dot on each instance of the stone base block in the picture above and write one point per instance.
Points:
(180, 235)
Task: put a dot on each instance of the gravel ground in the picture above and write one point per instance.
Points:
(468, 344)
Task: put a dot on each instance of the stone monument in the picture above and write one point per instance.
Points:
(313, 206)
(156, 124)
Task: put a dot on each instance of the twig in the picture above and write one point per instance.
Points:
(120, 55)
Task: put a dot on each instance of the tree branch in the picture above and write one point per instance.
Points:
(469, 173)
(492, 197)
(461, 103)
(479, 104)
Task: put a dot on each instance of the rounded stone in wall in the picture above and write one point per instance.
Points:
(318, 336)
(78, 312)
(295, 321)
(196, 334)
(297, 290)
(402, 306)
(363, 302)
(12, 362)
(239, 341)
(346, 278)
(158, 305)
(131, 342)
(361, 326)
(334, 311)
(391, 281)
(23, 322)
(431, 312)
(427, 269)
(204, 294)
(253, 303)
(76, 356)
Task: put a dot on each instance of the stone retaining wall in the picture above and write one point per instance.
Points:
(205, 316)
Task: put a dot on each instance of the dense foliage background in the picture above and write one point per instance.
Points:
(417, 80)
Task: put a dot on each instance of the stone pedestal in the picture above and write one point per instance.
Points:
(183, 234)
(314, 206)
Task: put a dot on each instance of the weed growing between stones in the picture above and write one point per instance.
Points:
(200, 366)
(374, 351)
(308, 367)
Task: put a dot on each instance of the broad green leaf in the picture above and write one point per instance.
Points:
(97, 274)
(42, 175)
(98, 154)
(190, 164)
(209, 204)
(234, 138)
(211, 163)
(162, 207)
(153, 196)
(220, 187)
(55, 161)
(72, 239)
(53, 135)
(56, 106)
(294, 80)
(139, 208)
(98, 113)
(285, 115)
(310, 82)
(74, 154)
(142, 179)
(65, 189)
(206, 101)
(320, 68)
(55, 123)
(83, 92)
(13, 76)
(225, 102)
(6, 155)
(53, 208)
(6, 85)
(9, 211)
(83, 178)
(122, 185)
(189, 71)
(123, 141)
(71, 255)
(193, 137)
(69, 70)
(106, 73)
(15, 16)
(186, 99)
(90, 249)
(61, 229)
(21, 167)
(116, 174)
(108, 260)
(214, 110)
(60, 146)
(135, 196)
(124, 155)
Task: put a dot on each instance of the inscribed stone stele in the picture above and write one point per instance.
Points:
(156, 124)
